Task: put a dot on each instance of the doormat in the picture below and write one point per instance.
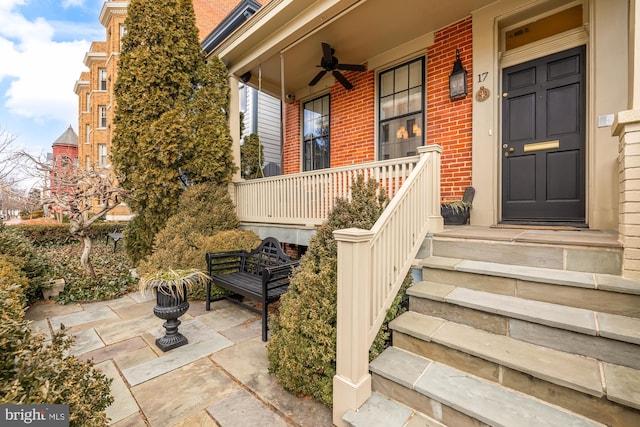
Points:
(539, 227)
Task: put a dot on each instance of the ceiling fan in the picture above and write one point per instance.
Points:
(330, 63)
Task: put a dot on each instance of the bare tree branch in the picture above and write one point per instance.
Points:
(86, 195)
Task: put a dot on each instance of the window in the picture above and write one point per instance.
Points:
(315, 134)
(102, 155)
(65, 161)
(87, 130)
(102, 79)
(87, 162)
(88, 102)
(401, 110)
(123, 31)
(102, 116)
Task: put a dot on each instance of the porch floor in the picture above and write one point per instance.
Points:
(538, 235)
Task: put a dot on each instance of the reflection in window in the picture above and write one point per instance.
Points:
(316, 134)
(401, 110)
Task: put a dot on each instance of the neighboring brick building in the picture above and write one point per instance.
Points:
(96, 101)
(63, 159)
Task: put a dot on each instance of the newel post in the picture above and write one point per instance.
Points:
(352, 382)
(436, 223)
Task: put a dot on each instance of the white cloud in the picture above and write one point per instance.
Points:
(72, 3)
(42, 71)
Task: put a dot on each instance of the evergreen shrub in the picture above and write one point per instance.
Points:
(206, 222)
(58, 234)
(302, 348)
(18, 249)
(35, 372)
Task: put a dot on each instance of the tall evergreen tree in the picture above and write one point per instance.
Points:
(171, 122)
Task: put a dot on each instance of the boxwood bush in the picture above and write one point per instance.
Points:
(19, 250)
(302, 348)
(35, 372)
(207, 222)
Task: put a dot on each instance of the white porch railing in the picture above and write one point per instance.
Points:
(372, 265)
(306, 198)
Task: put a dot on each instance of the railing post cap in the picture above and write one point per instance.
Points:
(353, 235)
(429, 148)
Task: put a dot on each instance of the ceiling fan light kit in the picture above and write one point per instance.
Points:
(330, 64)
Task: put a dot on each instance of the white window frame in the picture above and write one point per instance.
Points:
(102, 79)
(102, 155)
(102, 116)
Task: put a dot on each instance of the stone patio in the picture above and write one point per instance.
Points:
(220, 378)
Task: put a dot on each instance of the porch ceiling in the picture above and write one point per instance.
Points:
(358, 30)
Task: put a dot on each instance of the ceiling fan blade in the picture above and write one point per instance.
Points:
(352, 67)
(347, 85)
(327, 54)
(317, 78)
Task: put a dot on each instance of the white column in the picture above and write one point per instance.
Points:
(352, 382)
(234, 122)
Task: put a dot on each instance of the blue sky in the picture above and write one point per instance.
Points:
(42, 49)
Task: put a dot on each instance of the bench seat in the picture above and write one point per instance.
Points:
(261, 275)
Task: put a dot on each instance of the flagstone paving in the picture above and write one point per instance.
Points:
(220, 378)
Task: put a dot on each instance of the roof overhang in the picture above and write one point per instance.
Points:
(110, 8)
(281, 44)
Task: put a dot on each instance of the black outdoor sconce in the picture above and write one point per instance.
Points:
(457, 79)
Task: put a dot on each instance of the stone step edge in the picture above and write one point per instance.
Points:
(463, 392)
(376, 410)
(604, 282)
(534, 360)
(558, 316)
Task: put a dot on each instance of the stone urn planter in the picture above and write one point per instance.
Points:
(53, 289)
(170, 288)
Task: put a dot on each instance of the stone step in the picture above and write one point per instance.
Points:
(589, 251)
(381, 411)
(455, 398)
(598, 292)
(603, 336)
(583, 385)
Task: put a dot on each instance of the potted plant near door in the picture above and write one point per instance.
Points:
(457, 211)
(170, 288)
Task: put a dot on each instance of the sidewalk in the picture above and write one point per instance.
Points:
(219, 379)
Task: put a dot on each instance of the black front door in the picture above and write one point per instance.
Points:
(543, 139)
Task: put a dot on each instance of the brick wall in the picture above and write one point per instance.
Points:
(353, 115)
(449, 122)
(292, 136)
(209, 13)
(353, 120)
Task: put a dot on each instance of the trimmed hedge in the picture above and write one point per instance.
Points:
(35, 372)
(45, 234)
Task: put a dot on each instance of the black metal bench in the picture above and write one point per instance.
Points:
(261, 275)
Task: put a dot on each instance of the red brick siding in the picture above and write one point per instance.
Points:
(291, 146)
(352, 124)
(209, 13)
(449, 122)
(353, 120)
(353, 115)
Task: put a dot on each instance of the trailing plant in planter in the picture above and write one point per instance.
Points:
(170, 288)
(457, 212)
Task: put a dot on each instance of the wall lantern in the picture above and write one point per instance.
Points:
(457, 79)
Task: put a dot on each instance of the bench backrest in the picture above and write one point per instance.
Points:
(268, 254)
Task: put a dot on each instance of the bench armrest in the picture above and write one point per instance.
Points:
(281, 270)
(224, 262)
(277, 273)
